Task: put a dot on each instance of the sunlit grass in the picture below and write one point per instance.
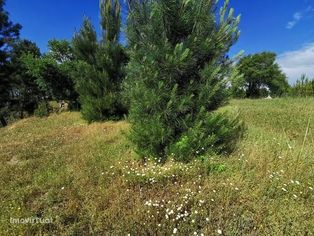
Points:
(89, 181)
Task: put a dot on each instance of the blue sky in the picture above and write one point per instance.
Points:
(282, 26)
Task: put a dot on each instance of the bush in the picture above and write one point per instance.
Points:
(43, 109)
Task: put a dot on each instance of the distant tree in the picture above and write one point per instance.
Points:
(177, 78)
(9, 33)
(261, 71)
(100, 69)
(54, 71)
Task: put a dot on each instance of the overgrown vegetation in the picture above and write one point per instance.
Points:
(87, 179)
(304, 87)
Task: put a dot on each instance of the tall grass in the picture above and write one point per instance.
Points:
(87, 179)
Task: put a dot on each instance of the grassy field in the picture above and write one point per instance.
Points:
(88, 181)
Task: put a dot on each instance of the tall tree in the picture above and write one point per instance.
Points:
(25, 94)
(100, 70)
(261, 72)
(177, 77)
(9, 33)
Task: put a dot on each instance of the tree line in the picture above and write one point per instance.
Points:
(169, 80)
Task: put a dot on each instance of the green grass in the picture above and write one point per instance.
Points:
(87, 179)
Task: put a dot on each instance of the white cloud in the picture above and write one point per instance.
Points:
(298, 16)
(298, 62)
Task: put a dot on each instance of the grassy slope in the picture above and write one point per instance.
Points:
(87, 178)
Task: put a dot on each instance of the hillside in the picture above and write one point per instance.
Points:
(86, 178)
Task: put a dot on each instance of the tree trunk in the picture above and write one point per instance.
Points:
(3, 121)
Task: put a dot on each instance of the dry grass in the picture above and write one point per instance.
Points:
(89, 181)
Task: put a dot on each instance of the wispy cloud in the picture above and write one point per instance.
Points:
(298, 62)
(297, 16)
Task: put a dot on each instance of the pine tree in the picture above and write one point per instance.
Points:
(85, 45)
(177, 78)
(9, 33)
(100, 70)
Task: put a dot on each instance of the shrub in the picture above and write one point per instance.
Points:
(43, 109)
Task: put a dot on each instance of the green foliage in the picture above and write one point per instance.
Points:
(60, 50)
(54, 71)
(304, 87)
(99, 72)
(261, 72)
(216, 168)
(216, 132)
(26, 94)
(9, 33)
(97, 103)
(110, 19)
(85, 44)
(237, 84)
(43, 109)
(177, 77)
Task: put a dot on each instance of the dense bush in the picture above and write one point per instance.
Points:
(177, 77)
(43, 109)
